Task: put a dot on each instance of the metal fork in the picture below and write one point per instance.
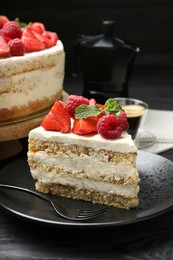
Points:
(62, 210)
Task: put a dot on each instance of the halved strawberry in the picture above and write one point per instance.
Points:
(50, 38)
(3, 19)
(37, 27)
(31, 42)
(57, 119)
(84, 126)
(4, 48)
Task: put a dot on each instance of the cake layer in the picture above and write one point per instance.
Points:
(128, 190)
(82, 166)
(31, 82)
(88, 195)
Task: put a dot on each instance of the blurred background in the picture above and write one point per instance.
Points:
(147, 23)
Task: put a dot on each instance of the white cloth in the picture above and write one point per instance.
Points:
(156, 126)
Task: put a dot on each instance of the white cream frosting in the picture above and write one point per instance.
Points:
(29, 78)
(123, 190)
(123, 144)
(94, 166)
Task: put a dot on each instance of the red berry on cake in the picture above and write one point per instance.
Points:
(57, 119)
(4, 48)
(124, 122)
(109, 126)
(3, 20)
(50, 38)
(92, 102)
(38, 27)
(16, 47)
(84, 126)
(75, 101)
(11, 30)
(31, 42)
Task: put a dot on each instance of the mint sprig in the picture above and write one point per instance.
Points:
(22, 24)
(111, 106)
(84, 111)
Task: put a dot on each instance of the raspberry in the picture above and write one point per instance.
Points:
(16, 47)
(1, 24)
(12, 30)
(109, 126)
(73, 102)
(124, 122)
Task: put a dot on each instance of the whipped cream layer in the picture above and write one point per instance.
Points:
(127, 190)
(94, 167)
(32, 77)
(123, 144)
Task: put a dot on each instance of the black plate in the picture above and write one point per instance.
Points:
(155, 196)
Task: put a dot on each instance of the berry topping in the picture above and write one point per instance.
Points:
(124, 122)
(84, 126)
(109, 126)
(33, 35)
(92, 102)
(4, 48)
(31, 42)
(109, 120)
(57, 119)
(50, 38)
(11, 30)
(37, 27)
(3, 20)
(16, 47)
(73, 102)
(110, 117)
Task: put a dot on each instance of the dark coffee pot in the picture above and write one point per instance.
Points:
(106, 63)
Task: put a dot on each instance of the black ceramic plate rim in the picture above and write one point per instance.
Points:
(85, 224)
(147, 214)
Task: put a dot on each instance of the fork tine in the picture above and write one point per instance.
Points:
(87, 212)
(92, 214)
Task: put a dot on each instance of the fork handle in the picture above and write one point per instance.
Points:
(6, 186)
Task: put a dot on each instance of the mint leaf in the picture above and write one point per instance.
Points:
(84, 111)
(21, 24)
(112, 106)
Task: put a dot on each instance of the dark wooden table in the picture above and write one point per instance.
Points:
(150, 239)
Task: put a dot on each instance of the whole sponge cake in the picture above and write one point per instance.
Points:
(82, 164)
(31, 81)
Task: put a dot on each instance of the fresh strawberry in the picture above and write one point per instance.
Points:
(16, 47)
(31, 42)
(4, 48)
(57, 119)
(75, 101)
(92, 102)
(84, 126)
(3, 20)
(37, 27)
(50, 38)
(39, 37)
(12, 30)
